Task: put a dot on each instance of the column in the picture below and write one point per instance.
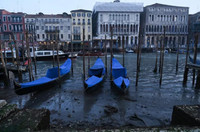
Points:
(129, 41)
(120, 42)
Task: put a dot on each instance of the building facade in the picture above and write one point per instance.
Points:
(46, 28)
(174, 19)
(194, 27)
(124, 18)
(11, 23)
(81, 21)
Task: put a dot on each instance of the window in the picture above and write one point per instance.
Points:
(89, 15)
(79, 21)
(37, 27)
(73, 14)
(5, 28)
(42, 27)
(38, 36)
(89, 29)
(61, 36)
(47, 53)
(4, 18)
(68, 27)
(43, 36)
(10, 27)
(74, 21)
(61, 27)
(9, 19)
(39, 53)
(83, 14)
(69, 36)
(83, 21)
(88, 21)
(79, 14)
(46, 27)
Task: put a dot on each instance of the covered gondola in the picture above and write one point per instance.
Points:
(96, 76)
(192, 60)
(119, 76)
(51, 79)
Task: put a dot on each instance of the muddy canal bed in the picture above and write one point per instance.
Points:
(145, 105)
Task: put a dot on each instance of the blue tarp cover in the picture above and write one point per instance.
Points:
(93, 80)
(192, 60)
(51, 75)
(97, 68)
(119, 80)
(117, 69)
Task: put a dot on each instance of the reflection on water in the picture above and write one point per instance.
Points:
(150, 102)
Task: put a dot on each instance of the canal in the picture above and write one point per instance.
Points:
(146, 105)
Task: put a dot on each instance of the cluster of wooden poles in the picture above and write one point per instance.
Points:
(193, 67)
(17, 63)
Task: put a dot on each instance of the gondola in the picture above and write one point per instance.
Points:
(192, 61)
(51, 79)
(119, 76)
(96, 76)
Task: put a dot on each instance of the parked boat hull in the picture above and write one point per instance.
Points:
(21, 91)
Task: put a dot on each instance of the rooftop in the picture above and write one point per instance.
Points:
(41, 15)
(81, 10)
(163, 5)
(118, 7)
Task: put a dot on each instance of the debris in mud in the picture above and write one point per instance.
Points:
(76, 99)
(129, 99)
(110, 109)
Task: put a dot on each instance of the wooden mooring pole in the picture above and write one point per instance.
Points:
(13, 60)
(198, 74)
(31, 78)
(72, 70)
(88, 56)
(111, 52)
(162, 58)
(17, 58)
(58, 60)
(156, 63)
(186, 61)
(177, 54)
(5, 58)
(123, 50)
(53, 53)
(83, 54)
(106, 54)
(4, 66)
(34, 56)
(195, 57)
(138, 57)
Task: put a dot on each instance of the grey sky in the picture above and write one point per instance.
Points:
(60, 6)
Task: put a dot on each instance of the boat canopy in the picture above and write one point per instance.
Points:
(117, 69)
(51, 75)
(98, 68)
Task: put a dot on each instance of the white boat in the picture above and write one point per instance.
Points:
(74, 55)
(129, 51)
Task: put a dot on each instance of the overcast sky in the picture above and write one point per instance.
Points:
(60, 6)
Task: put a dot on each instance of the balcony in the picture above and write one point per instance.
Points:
(52, 31)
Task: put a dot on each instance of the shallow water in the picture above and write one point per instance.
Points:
(150, 103)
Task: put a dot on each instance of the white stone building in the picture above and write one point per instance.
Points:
(123, 17)
(44, 27)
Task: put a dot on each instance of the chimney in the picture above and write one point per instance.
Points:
(116, 0)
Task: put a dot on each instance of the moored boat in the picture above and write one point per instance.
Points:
(192, 60)
(96, 75)
(51, 79)
(119, 76)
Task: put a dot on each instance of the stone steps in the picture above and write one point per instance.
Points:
(13, 119)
